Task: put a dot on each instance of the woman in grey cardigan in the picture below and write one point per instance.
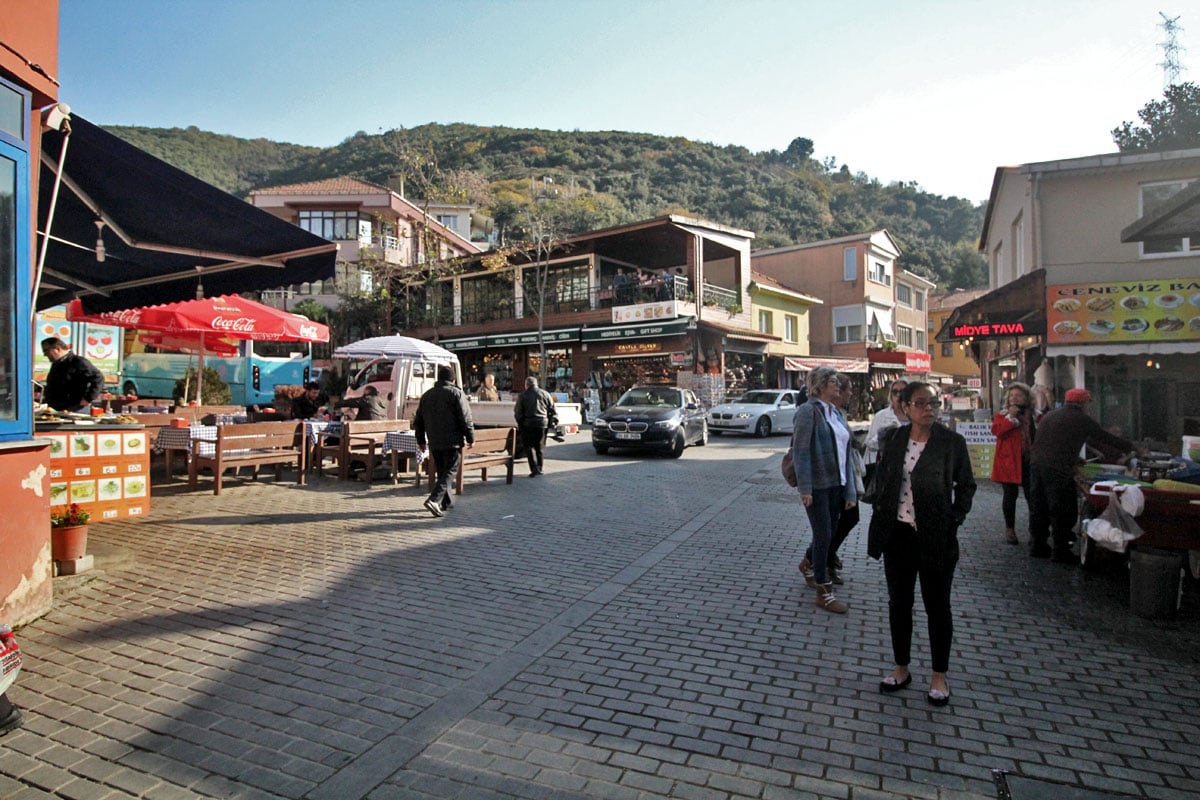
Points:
(821, 459)
(928, 487)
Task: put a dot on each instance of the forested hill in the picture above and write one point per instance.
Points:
(590, 180)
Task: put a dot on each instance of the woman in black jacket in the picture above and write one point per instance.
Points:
(928, 487)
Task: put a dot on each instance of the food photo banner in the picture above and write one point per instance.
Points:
(1166, 310)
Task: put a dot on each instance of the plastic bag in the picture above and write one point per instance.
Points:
(1114, 529)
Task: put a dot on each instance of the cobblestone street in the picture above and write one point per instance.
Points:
(623, 627)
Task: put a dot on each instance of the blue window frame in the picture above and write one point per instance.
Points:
(16, 350)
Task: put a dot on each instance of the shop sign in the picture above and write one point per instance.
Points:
(1166, 310)
(644, 312)
(916, 362)
(638, 347)
(668, 328)
(464, 344)
(995, 328)
(531, 337)
(681, 359)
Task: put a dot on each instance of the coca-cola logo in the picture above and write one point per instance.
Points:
(128, 318)
(244, 324)
(308, 331)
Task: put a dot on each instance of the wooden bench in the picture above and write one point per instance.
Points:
(253, 445)
(357, 440)
(493, 447)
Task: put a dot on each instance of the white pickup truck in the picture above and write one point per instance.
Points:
(499, 414)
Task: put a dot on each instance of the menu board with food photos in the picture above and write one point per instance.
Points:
(105, 469)
(1166, 310)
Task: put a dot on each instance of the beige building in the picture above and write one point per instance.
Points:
(952, 359)
(375, 227)
(781, 311)
(1095, 284)
(874, 317)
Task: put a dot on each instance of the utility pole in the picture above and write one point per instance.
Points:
(1171, 50)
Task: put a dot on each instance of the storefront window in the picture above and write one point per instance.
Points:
(16, 354)
(612, 376)
(559, 376)
(500, 365)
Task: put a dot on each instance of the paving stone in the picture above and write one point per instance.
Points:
(284, 641)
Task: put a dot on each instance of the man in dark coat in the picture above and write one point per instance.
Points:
(1053, 503)
(308, 405)
(444, 421)
(369, 406)
(73, 382)
(535, 414)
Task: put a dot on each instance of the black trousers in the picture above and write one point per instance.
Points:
(534, 439)
(902, 566)
(846, 523)
(1053, 507)
(446, 462)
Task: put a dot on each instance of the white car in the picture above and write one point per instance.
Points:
(761, 412)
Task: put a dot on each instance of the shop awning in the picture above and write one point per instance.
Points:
(162, 231)
(805, 363)
(1179, 216)
(884, 323)
(644, 331)
(1017, 308)
(556, 336)
(1127, 349)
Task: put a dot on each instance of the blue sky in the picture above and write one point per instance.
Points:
(935, 92)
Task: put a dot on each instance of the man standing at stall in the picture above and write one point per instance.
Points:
(444, 420)
(73, 382)
(1053, 504)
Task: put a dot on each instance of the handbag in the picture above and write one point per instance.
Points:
(788, 468)
(874, 488)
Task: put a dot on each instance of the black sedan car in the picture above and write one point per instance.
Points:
(663, 418)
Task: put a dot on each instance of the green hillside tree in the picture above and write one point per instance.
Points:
(1172, 123)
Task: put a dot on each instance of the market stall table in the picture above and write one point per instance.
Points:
(171, 439)
(400, 444)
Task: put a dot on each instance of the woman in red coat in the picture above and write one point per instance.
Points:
(1014, 430)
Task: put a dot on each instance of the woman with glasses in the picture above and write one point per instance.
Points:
(928, 487)
(883, 423)
(824, 477)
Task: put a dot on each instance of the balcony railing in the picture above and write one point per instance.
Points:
(720, 297)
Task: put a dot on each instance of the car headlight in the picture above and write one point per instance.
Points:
(666, 424)
(600, 422)
(743, 415)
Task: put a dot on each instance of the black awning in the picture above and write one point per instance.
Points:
(163, 230)
(1018, 308)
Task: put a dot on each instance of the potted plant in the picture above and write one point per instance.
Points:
(68, 533)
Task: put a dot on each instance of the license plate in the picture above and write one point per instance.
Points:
(634, 436)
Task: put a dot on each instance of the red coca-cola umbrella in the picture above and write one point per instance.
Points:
(228, 316)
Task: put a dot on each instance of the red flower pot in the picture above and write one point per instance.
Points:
(68, 543)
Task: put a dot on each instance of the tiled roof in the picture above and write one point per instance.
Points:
(342, 185)
(954, 299)
(765, 280)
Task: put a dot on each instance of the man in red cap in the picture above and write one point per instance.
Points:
(1053, 506)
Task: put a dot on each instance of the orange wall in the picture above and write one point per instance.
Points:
(30, 27)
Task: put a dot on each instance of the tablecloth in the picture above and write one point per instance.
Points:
(181, 439)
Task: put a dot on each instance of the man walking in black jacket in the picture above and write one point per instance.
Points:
(444, 420)
(535, 415)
